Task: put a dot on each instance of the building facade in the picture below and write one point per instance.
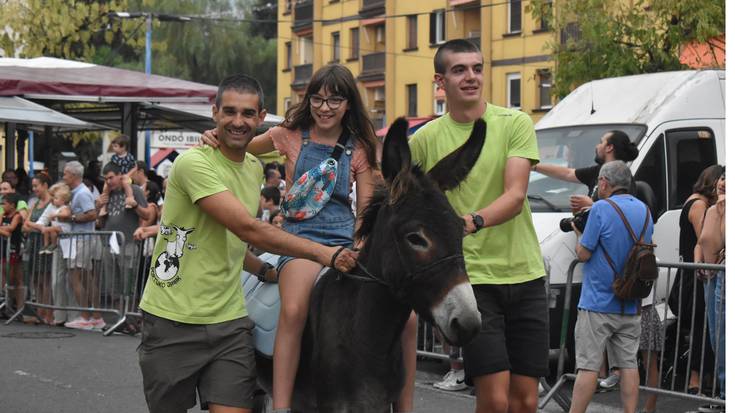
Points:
(389, 46)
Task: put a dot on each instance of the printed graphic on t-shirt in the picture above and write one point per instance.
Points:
(166, 270)
(116, 205)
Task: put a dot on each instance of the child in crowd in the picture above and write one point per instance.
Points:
(270, 201)
(277, 219)
(126, 161)
(58, 208)
(11, 231)
(6, 187)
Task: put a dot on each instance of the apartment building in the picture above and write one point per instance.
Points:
(389, 46)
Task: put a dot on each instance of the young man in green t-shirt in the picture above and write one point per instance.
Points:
(196, 333)
(501, 250)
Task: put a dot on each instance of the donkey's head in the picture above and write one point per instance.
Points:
(415, 240)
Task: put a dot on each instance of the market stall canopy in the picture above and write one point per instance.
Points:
(58, 79)
(194, 116)
(23, 112)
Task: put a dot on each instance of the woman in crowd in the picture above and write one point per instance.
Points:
(712, 247)
(153, 195)
(685, 286)
(39, 265)
(650, 347)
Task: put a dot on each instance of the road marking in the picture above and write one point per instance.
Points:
(43, 379)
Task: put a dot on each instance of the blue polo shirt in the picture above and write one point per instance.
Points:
(605, 227)
(81, 202)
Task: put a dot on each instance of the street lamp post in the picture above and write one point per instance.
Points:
(148, 40)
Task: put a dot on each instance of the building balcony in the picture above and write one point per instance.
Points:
(373, 67)
(302, 75)
(371, 8)
(303, 15)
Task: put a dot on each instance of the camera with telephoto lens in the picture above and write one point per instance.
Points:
(579, 219)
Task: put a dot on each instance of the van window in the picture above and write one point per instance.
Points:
(689, 152)
(572, 147)
(653, 171)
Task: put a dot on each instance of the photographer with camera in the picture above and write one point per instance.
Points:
(614, 145)
(603, 319)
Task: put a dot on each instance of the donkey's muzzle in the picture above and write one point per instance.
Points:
(457, 316)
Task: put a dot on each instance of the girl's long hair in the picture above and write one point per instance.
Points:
(337, 80)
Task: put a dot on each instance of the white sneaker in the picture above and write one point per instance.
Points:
(97, 323)
(452, 381)
(610, 381)
(79, 324)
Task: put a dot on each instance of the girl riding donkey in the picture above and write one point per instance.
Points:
(332, 115)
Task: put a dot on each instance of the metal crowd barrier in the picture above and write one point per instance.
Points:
(92, 272)
(678, 338)
(98, 272)
(142, 265)
(6, 290)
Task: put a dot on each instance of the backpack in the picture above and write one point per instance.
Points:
(640, 271)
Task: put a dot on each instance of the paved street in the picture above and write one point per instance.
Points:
(47, 369)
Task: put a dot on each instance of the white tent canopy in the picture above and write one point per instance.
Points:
(14, 109)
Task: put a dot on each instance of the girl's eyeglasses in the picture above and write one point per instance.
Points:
(333, 102)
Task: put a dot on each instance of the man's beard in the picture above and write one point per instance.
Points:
(598, 159)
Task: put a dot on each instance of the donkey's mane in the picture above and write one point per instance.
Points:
(370, 214)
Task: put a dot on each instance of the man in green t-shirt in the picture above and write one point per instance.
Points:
(196, 333)
(501, 250)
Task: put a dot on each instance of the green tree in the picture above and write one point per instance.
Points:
(220, 40)
(68, 29)
(602, 38)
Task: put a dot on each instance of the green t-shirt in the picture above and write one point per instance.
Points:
(504, 254)
(195, 273)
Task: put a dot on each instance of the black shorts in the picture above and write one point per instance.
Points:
(178, 359)
(515, 331)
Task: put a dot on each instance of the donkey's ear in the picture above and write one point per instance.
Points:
(454, 168)
(396, 155)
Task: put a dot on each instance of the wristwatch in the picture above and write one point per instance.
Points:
(263, 270)
(73, 218)
(478, 221)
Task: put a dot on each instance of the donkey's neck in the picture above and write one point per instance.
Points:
(378, 310)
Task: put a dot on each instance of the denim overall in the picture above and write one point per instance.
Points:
(335, 223)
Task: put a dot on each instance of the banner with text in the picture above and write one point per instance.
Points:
(173, 139)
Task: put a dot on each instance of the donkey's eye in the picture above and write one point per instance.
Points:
(417, 240)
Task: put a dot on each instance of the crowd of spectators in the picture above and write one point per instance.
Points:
(59, 241)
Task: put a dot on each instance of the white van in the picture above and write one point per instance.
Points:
(677, 119)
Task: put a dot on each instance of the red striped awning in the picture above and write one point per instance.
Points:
(413, 125)
(373, 21)
(455, 3)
